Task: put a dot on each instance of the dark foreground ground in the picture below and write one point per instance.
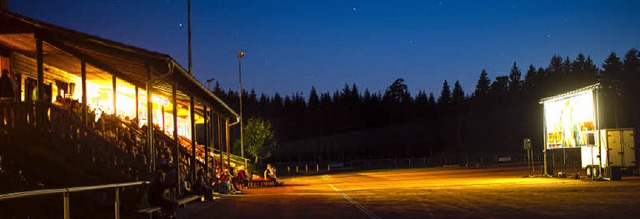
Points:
(430, 193)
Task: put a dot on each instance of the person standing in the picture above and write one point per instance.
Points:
(242, 176)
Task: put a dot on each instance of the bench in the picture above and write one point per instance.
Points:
(182, 202)
(261, 182)
(156, 212)
(151, 211)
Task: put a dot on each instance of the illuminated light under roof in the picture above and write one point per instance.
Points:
(571, 93)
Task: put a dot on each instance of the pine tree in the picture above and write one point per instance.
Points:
(397, 92)
(530, 78)
(500, 85)
(367, 96)
(590, 68)
(445, 95)
(277, 100)
(457, 97)
(555, 65)
(514, 78)
(264, 100)
(355, 94)
(288, 103)
(431, 102)
(421, 98)
(346, 93)
(314, 100)
(580, 63)
(482, 86)
(631, 61)
(325, 99)
(612, 68)
(567, 68)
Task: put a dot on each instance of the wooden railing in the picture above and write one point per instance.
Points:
(102, 143)
(31, 119)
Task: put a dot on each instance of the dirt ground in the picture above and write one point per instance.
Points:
(431, 193)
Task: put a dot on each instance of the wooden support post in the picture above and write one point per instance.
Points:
(65, 204)
(39, 118)
(220, 140)
(150, 146)
(83, 72)
(40, 69)
(176, 154)
(117, 203)
(227, 140)
(137, 105)
(206, 141)
(164, 124)
(212, 141)
(115, 109)
(192, 115)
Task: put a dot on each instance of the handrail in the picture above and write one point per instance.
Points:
(15, 195)
(65, 194)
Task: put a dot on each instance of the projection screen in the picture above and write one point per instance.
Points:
(570, 120)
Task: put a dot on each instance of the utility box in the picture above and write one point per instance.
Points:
(617, 149)
(620, 147)
(613, 173)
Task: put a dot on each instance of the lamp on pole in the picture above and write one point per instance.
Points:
(209, 83)
(240, 55)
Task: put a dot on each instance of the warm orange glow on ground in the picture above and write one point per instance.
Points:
(433, 193)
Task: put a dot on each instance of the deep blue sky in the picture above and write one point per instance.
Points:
(292, 45)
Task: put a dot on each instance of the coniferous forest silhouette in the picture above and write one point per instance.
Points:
(353, 123)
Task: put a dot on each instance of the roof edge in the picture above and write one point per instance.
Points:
(595, 86)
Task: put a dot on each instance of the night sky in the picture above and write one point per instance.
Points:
(292, 45)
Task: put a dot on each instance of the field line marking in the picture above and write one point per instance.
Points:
(345, 196)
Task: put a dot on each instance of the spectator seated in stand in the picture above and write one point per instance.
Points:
(156, 195)
(8, 87)
(59, 101)
(225, 183)
(201, 187)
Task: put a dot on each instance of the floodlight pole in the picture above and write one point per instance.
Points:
(240, 55)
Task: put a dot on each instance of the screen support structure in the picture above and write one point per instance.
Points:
(544, 144)
(598, 143)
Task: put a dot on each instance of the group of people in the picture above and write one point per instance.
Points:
(225, 182)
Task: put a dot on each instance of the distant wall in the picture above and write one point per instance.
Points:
(405, 140)
(478, 131)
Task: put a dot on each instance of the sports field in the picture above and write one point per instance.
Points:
(431, 193)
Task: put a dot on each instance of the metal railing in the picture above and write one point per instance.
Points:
(443, 160)
(66, 191)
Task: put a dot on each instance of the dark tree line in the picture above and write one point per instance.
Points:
(495, 117)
